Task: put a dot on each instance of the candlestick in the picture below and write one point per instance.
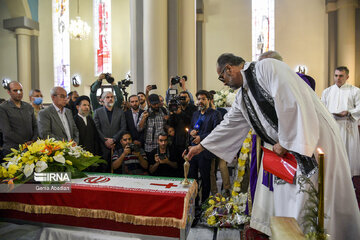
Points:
(186, 171)
(321, 190)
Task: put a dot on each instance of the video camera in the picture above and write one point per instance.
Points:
(123, 84)
(134, 148)
(175, 102)
(176, 80)
(109, 78)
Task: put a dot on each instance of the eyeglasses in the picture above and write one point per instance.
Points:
(61, 95)
(221, 77)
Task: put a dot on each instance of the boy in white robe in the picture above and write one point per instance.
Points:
(304, 124)
(343, 101)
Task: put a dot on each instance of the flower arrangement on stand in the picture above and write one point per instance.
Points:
(219, 211)
(46, 155)
(225, 97)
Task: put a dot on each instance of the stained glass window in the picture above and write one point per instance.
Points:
(61, 42)
(102, 36)
(263, 27)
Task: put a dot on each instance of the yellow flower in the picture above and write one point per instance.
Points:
(211, 202)
(3, 172)
(236, 208)
(233, 193)
(217, 199)
(245, 150)
(59, 153)
(236, 184)
(241, 173)
(223, 199)
(211, 220)
(68, 162)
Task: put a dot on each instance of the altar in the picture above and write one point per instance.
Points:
(135, 204)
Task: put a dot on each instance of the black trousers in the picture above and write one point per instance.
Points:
(202, 163)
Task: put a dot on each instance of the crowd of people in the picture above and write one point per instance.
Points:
(146, 135)
(142, 136)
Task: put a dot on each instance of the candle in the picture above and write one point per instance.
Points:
(321, 189)
(187, 138)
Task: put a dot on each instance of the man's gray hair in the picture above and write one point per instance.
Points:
(271, 54)
(103, 95)
(54, 90)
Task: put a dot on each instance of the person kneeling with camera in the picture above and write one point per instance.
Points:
(163, 160)
(130, 158)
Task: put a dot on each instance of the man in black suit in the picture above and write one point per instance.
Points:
(110, 123)
(88, 135)
(132, 117)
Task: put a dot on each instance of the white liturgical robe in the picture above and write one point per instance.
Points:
(304, 124)
(346, 98)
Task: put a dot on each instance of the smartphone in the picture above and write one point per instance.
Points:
(153, 87)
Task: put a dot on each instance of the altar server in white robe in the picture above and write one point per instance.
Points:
(304, 124)
(343, 101)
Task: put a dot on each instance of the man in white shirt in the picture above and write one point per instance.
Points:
(275, 102)
(343, 101)
(56, 121)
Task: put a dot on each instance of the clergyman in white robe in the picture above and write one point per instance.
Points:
(346, 98)
(304, 124)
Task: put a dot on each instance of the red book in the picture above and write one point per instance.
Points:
(283, 167)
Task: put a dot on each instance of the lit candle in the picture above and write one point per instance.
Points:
(321, 189)
(187, 138)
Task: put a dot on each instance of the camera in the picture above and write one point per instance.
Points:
(109, 78)
(134, 148)
(125, 83)
(174, 104)
(162, 156)
(175, 80)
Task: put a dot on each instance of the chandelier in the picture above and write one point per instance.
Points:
(78, 29)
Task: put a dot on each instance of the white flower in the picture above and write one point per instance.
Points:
(29, 169)
(40, 166)
(59, 158)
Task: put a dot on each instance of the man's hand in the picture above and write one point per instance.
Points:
(127, 150)
(109, 143)
(193, 133)
(166, 117)
(196, 139)
(146, 114)
(342, 114)
(192, 152)
(137, 154)
(148, 89)
(178, 111)
(279, 150)
(101, 77)
(157, 159)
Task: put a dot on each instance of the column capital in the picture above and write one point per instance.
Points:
(20, 22)
(334, 6)
(23, 31)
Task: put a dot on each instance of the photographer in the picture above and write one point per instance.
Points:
(161, 99)
(152, 122)
(130, 157)
(97, 84)
(163, 160)
(180, 120)
(182, 83)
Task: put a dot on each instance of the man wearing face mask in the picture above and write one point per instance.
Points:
(36, 100)
(110, 123)
(181, 120)
(88, 135)
(17, 120)
(152, 122)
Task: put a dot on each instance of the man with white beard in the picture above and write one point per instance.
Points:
(110, 123)
(276, 103)
(88, 135)
(343, 101)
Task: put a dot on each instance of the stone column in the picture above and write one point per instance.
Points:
(187, 42)
(346, 36)
(24, 59)
(155, 45)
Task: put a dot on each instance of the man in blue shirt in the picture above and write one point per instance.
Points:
(202, 123)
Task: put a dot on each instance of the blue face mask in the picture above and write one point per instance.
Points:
(38, 100)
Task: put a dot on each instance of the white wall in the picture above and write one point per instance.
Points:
(8, 55)
(227, 28)
(301, 37)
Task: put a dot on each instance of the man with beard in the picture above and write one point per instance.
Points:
(202, 123)
(181, 120)
(72, 96)
(110, 123)
(142, 100)
(152, 122)
(285, 113)
(88, 135)
(132, 117)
